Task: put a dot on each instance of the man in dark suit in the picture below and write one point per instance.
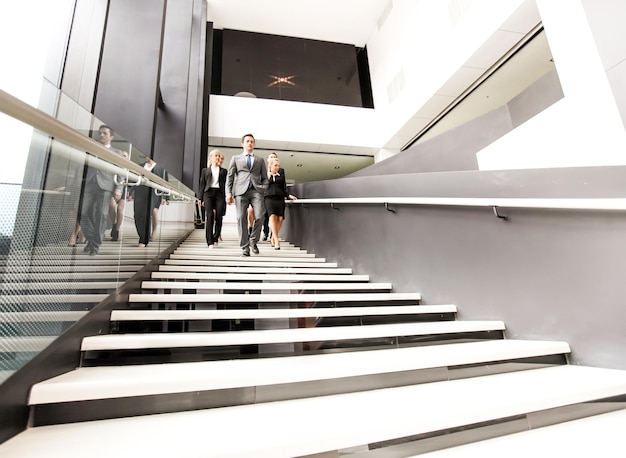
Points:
(246, 183)
(98, 190)
(212, 195)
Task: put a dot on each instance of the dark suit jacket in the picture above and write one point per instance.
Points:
(277, 186)
(239, 175)
(205, 181)
(103, 178)
(147, 196)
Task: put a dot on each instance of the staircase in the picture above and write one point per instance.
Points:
(284, 354)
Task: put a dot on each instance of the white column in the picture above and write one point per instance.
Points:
(582, 129)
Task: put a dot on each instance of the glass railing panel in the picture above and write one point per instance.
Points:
(47, 280)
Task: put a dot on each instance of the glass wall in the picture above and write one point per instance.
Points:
(49, 275)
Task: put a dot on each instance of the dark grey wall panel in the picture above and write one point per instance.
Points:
(288, 68)
(547, 274)
(127, 91)
(169, 135)
(196, 134)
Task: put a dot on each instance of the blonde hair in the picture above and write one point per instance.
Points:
(271, 160)
(213, 153)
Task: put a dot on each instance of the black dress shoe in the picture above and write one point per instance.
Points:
(255, 249)
(245, 253)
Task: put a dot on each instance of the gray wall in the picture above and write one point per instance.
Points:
(548, 274)
(555, 275)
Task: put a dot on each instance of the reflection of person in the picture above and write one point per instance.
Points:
(275, 198)
(245, 184)
(99, 187)
(116, 207)
(211, 194)
(146, 205)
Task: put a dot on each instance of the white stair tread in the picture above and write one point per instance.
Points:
(274, 255)
(311, 312)
(250, 261)
(168, 285)
(124, 381)
(257, 269)
(314, 425)
(259, 276)
(258, 298)
(252, 268)
(599, 435)
(267, 336)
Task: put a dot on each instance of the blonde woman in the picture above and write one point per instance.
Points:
(212, 196)
(275, 199)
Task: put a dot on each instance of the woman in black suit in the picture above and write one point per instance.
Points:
(275, 198)
(212, 195)
(146, 203)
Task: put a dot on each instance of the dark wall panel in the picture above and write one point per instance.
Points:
(169, 135)
(197, 141)
(287, 68)
(127, 90)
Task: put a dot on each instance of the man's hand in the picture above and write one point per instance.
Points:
(230, 199)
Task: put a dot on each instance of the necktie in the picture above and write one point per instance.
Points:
(249, 161)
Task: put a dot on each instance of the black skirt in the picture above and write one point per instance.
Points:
(275, 205)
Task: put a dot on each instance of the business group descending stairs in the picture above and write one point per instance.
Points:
(285, 354)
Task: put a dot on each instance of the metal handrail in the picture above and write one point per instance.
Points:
(606, 203)
(47, 124)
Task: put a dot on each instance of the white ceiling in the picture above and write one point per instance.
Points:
(352, 22)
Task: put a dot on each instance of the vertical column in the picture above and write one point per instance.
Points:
(594, 117)
(128, 86)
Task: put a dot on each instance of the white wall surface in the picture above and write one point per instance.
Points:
(419, 47)
(292, 122)
(585, 127)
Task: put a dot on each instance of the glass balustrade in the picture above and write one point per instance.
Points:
(48, 278)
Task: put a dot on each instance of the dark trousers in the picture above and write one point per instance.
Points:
(94, 213)
(214, 204)
(266, 225)
(143, 205)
